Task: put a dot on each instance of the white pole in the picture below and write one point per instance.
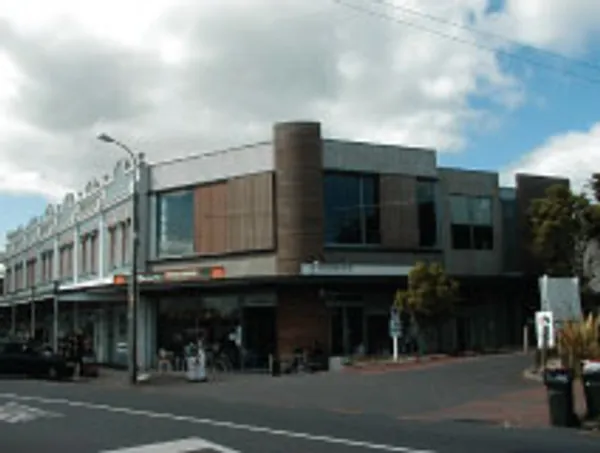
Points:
(395, 347)
(525, 339)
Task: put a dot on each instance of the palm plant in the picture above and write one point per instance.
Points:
(578, 341)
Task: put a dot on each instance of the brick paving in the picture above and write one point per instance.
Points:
(524, 408)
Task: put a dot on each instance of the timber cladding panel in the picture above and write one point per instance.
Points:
(235, 215)
(250, 212)
(398, 211)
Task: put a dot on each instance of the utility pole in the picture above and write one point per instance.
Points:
(133, 296)
(32, 307)
(55, 289)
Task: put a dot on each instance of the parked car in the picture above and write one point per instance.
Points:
(20, 359)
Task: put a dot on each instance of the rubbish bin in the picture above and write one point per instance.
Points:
(591, 388)
(559, 384)
(196, 368)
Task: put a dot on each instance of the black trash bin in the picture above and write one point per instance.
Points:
(559, 384)
(591, 388)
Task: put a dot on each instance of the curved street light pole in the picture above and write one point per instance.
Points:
(133, 279)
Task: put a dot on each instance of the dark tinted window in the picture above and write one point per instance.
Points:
(351, 208)
(427, 212)
(175, 223)
(461, 237)
(471, 223)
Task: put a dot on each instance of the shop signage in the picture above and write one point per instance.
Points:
(349, 269)
(198, 274)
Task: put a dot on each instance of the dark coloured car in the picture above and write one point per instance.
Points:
(19, 359)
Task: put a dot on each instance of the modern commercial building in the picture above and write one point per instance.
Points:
(298, 239)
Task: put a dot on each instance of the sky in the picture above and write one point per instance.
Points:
(503, 85)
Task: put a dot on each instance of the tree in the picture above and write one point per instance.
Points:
(430, 295)
(561, 224)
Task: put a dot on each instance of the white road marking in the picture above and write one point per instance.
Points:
(17, 413)
(217, 423)
(191, 445)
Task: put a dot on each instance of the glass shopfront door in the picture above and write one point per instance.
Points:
(347, 330)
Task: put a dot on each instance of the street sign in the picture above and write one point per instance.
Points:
(395, 328)
(544, 322)
(395, 325)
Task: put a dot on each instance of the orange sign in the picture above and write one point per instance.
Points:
(120, 280)
(217, 272)
(200, 274)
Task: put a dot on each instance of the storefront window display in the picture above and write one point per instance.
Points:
(211, 320)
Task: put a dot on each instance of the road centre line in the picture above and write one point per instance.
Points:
(216, 423)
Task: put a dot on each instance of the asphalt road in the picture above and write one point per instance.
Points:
(81, 418)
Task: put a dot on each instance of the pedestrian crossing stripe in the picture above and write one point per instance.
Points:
(189, 445)
(18, 413)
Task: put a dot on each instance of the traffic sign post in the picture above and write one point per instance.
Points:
(544, 327)
(395, 331)
(544, 323)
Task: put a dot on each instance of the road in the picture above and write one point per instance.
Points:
(83, 418)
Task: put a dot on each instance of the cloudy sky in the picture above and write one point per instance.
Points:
(492, 84)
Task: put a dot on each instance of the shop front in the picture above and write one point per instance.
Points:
(344, 319)
(238, 328)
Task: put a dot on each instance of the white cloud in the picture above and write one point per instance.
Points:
(175, 76)
(181, 76)
(558, 25)
(574, 154)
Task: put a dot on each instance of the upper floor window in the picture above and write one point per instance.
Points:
(65, 262)
(8, 281)
(427, 212)
(112, 247)
(93, 252)
(126, 238)
(175, 223)
(84, 243)
(351, 208)
(471, 222)
(31, 277)
(47, 266)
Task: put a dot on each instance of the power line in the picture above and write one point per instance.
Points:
(491, 49)
(498, 36)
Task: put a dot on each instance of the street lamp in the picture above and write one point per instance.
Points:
(133, 282)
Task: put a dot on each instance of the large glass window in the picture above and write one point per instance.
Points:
(471, 223)
(351, 208)
(176, 223)
(427, 211)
